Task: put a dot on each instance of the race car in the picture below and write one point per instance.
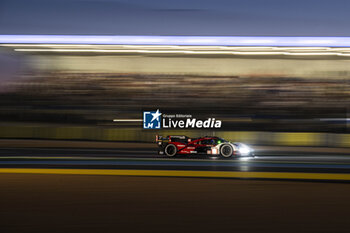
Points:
(179, 144)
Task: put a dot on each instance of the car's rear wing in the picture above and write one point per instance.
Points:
(173, 138)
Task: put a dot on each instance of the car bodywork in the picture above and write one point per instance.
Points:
(209, 145)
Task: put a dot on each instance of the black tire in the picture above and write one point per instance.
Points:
(226, 151)
(170, 150)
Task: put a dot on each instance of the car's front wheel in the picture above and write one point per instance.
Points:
(226, 151)
(170, 150)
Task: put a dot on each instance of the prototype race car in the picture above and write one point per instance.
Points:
(175, 144)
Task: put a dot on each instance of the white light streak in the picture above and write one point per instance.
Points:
(258, 53)
(126, 120)
(179, 40)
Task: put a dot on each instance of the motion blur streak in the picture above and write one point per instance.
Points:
(212, 47)
(179, 40)
(207, 174)
(121, 120)
(179, 51)
(263, 94)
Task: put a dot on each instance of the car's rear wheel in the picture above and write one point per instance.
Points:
(226, 151)
(170, 150)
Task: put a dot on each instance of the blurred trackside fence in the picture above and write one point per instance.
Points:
(139, 135)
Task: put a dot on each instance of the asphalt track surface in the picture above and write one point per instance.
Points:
(82, 203)
(146, 159)
(132, 189)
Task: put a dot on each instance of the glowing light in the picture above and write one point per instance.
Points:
(178, 40)
(46, 45)
(244, 150)
(184, 52)
(245, 159)
(126, 120)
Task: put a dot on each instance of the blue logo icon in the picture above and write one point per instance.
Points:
(151, 120)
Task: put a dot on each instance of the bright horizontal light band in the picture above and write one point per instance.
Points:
(126, 120)
(178, 40)
(183, 52)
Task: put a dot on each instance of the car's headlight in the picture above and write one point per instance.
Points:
(244, 149)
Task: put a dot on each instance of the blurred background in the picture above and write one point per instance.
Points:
(264, 93)
(275, 72)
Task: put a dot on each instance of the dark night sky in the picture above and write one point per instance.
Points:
(176, 17)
